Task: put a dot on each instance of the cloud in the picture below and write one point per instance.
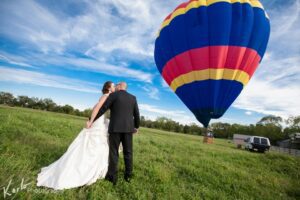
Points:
(32, 25)
(274, 88)
(151, 91)
(140, 21)
(164, 83)
(41, 79)
(155, 109)
(287, 20)
(285, 28)
(153, 112)
(83, 63)
(14, 61)
(248, 113)
(102, 28)
(263, 97)
(101, 67)
(109, 33)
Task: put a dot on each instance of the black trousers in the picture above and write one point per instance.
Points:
(114, 142)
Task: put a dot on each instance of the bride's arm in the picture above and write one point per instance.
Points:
(97, 107)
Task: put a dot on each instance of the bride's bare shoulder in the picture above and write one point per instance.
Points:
(103, 97)
(108, 94)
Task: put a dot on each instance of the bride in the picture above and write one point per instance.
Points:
(86, 159)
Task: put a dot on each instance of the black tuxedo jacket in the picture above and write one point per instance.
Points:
(124, 112)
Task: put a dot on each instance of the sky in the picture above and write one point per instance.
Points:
(66, 50)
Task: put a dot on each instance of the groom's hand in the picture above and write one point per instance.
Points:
(135, 131)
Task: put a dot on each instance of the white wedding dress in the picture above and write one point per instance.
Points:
(85, 160)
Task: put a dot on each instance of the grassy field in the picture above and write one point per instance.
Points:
(166, 165)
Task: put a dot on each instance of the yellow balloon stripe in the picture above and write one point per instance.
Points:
(197, 4)
(213, 74)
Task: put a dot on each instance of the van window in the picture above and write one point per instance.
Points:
(256, 140)
(264, 141)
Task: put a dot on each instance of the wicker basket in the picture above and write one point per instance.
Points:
(208, 140)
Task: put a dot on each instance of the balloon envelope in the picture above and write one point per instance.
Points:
(207, 51)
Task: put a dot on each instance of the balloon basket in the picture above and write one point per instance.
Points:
(208, 140)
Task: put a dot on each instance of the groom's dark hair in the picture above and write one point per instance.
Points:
(106, 87)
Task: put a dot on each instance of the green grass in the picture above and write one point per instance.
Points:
(166, 165)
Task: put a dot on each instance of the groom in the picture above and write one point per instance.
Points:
(124, 121)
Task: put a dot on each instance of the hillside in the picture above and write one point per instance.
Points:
(166, 165)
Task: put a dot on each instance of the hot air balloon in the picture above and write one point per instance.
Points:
(207, 51)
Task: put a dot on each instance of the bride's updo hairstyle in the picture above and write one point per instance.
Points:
(106, 87)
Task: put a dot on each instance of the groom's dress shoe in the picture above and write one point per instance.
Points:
(128, 178)
(110, 179)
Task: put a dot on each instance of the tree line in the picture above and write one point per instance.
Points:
(46, 104)
(167, 124)
(269, 126)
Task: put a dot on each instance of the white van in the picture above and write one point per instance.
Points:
(258, 143)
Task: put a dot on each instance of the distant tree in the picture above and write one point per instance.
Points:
(169, 125)
(186, 129)
(58, 108)
(269, 126)
(159, 122)
(50, 105)
(77, 112)
(149, 123)
(271, 119)
(178, 128)
(142, 121)
(240, 129)
(220, 130)
(273, 132)
(195, 129)
(67, 109)
(293, 126)
(87, 112)
(25, 101)
(36, 103)
(6, 98)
